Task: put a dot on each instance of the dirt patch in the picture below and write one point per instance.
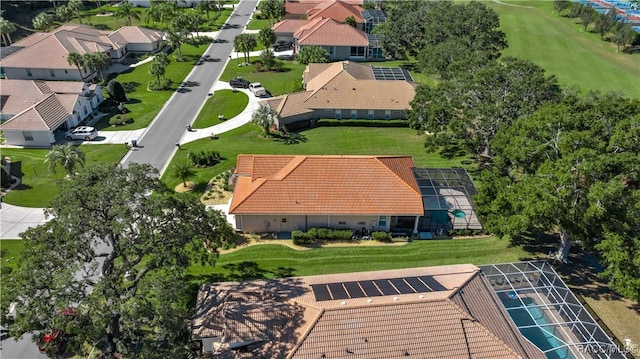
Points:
(181, 188)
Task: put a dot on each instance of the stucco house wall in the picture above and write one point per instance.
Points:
(286, 223)
(22, 138)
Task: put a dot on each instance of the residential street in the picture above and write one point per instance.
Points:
(157, 144)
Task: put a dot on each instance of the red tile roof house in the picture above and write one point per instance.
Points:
(338, 10)
(345, 90)
(43, 56)
(284, 193)
(430, 312)
(31, 111)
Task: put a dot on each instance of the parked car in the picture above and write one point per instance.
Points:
(239, 82)
(257, 89)
(82, 133)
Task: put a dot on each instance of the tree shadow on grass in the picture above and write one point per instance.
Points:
(538, 244)
(290, 138)
(130, 86)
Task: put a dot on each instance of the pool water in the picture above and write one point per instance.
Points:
(545, 338)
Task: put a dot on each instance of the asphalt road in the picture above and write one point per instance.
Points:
(158, 143)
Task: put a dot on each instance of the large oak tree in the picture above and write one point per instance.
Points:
(116, 252)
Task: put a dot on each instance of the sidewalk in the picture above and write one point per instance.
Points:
(16, 220)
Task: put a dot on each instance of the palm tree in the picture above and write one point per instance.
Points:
(266, 37)
(67, 156)
(127, 11)
(167, 11)
(176, 37)
(156, 69)
(264, 117)
(245, 43)
(76, 5)
(152, 14)
(183, 171)
(101, 61)
(89, 61)
(64, 13)
(6, 28)
(42, 22)
(76, 59)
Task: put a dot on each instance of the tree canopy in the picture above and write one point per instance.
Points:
(312, 54)
(115, 252)
(471, 107)
(116, 91)
(572, 168)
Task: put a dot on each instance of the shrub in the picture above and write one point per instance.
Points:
(320, 234)
(381, 236)
(204, 158)
(362, 123)
(6, 178)
(299, 237)
(118, 120)
(5, 270)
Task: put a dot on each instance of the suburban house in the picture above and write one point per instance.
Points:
(31, 110)
(322, 25)
(43, 56)
(285, 193)
(429, 312)
(346, 90)
(305, 9)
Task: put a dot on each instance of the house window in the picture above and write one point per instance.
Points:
(283, 220)
(382, 221)
(27, 136)
(328, 112)
(370, 114)
(357, 51)
(354, 113)
(361, 223)
(85, 110)
(342, 222)
(52, 73)
(29, 73)
(338, 114)
(387, 114)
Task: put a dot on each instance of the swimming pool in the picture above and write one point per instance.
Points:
(544, 337)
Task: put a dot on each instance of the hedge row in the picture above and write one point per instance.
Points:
(315, 235)
(381, 236)
(362, 123)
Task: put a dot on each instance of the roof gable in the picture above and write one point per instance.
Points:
(45, 115)
(325, 185)
(336, 10)
(330, 32)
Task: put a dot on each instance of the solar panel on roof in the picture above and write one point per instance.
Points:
(433, 284)
(370, 289)
(401, 286)
(385, 287)
(417, 284)
(337, 291)
(321, 292)
(354, 290)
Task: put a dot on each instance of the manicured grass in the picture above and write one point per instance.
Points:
(39, 184)
(561, 47)
(223, 102)
(326, 260)
(11, 252)
(144, 104)
(257, 24)
(319, 141)
(277, 83)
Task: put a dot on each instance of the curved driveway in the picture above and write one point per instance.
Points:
(157, 144)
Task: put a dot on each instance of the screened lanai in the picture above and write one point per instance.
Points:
(446, 195)
(547, 313)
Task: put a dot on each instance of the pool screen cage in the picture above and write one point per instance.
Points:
(446, 196)
(552, 311)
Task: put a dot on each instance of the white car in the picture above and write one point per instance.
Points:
(82, 133)
(257, 89)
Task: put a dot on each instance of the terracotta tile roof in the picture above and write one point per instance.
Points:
(47, 114)
(429, 325)
(330, 32)
(134, 34)
(300, 7)
(372, 185)
(289, 25)
(336, 10)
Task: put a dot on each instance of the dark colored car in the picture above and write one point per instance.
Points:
(239, 82)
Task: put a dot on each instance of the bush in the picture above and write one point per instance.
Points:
(315, 235)
(6, 178)
(362, 123)
(118, 120)
(165, 84)
(204, 158)
(381, 236)
(299, 238)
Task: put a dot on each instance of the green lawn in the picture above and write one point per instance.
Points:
(223, 102)
(257, 24)
(145, 104)
(326, 260)
(277, 83)
(39, 184)
(560, 47)
(11, 250)
(319, 141)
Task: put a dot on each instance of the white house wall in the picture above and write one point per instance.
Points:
(287, 223)
(40, 138)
